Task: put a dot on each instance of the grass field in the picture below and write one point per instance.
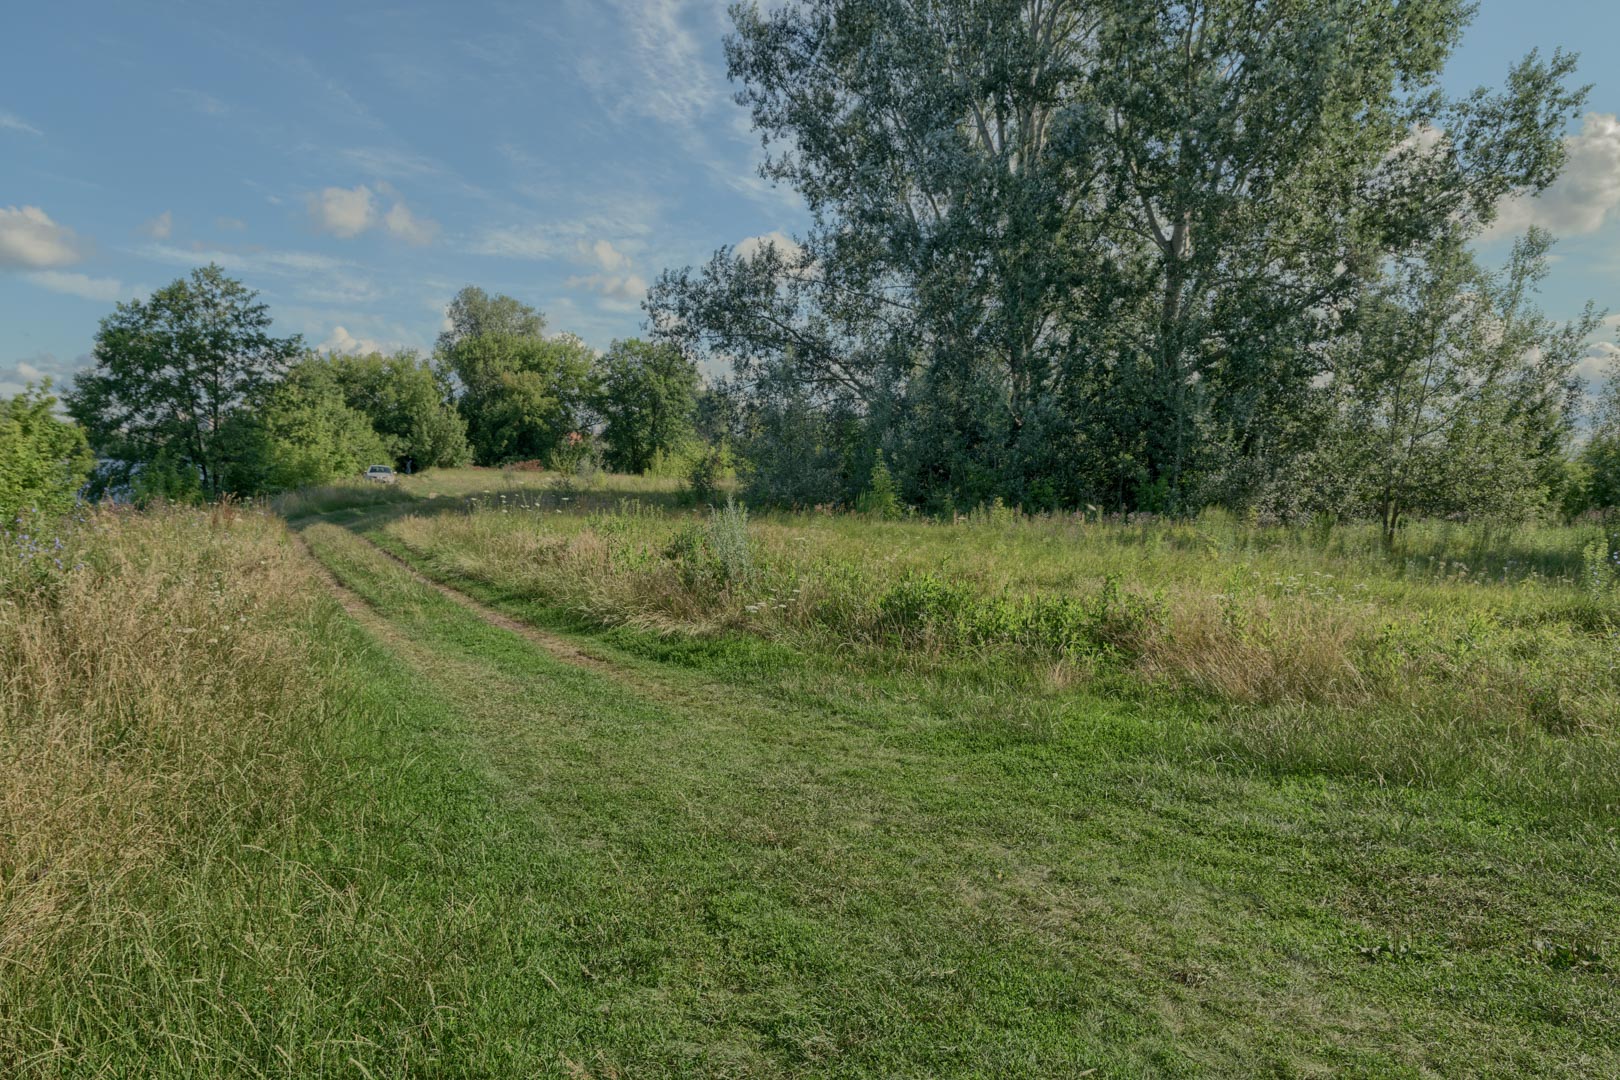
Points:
(651, 790)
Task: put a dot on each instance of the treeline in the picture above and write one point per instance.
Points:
(1145, 257)
(192, 396)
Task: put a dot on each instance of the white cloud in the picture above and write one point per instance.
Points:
(341, 341)
(753, 245)
(400, 222)
(230, 224)
(608, 257)
(343, 212)
(29, 371)
(348, 212)
(106, 290)
(1601, 358)
(625, 289)
(28, 237)
(522, 242)
(661, 69)
(1583, 197)
(10, 121)
(160, 227)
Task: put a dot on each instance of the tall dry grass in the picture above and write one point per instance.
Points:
(158, 708)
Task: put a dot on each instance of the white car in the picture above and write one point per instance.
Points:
(382, 474)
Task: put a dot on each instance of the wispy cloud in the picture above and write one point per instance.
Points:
(160, 227)
(104, 289)
(201, 103)
(10, 121)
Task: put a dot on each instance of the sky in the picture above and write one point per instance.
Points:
(359, 162)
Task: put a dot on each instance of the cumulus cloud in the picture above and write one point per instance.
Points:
(105, 290)
(160, 227)
(753, 245)
(341, 341)
(10, 121)
(348, 212)
(1601, 358)
(400, 222)
(343, 212)
(608, 257)
(625, 289)
(29, 238)
(1581, 199)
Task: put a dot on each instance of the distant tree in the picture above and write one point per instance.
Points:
(301, 431)
(1599, 458)
(171, 370)
(44, 461)
(645, 394)
(408, 403)
(1454, 394)
(475, 314)
(520, 395)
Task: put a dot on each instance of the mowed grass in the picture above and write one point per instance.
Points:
(1481, 659)
(416, 843)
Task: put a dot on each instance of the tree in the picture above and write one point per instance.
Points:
(408, 404)
(1100, 244)
(520, 395)
(44, 461)
(1600, 457)
(300, 432)
(171, 370)
(645, 394)
(475, 314)
(1453, 394)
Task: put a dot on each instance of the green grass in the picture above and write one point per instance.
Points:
(716, 846)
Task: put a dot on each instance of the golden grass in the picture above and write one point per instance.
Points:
(150, 697)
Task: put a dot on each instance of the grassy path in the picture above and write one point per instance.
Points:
(667, 869)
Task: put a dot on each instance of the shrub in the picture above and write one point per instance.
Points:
(882, 497)
(43, 460)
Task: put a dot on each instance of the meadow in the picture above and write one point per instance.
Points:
(505, 773)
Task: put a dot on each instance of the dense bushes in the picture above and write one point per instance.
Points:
(44, 460)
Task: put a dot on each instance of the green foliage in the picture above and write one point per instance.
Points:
(706, 470)
(473, 313)
(645, 394)
(923, 608)
(718, 553)
(301, 433)
(520, 395)
(881, 499)
(44, 461)
(408, 404)
(171, 373)
(1452, 390)
(1071, 253)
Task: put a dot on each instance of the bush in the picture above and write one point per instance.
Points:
(881, 498)
(44, 461)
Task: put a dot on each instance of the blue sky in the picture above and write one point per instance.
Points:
(358, 162)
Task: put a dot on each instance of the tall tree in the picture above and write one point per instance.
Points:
(473, 313)
(645, 394)
(409, 405)
(1454, 394)
(172, 369)
(1098, 244)
(299, 431)
(520, 395)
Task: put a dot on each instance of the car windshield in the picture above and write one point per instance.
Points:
(381, 468)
